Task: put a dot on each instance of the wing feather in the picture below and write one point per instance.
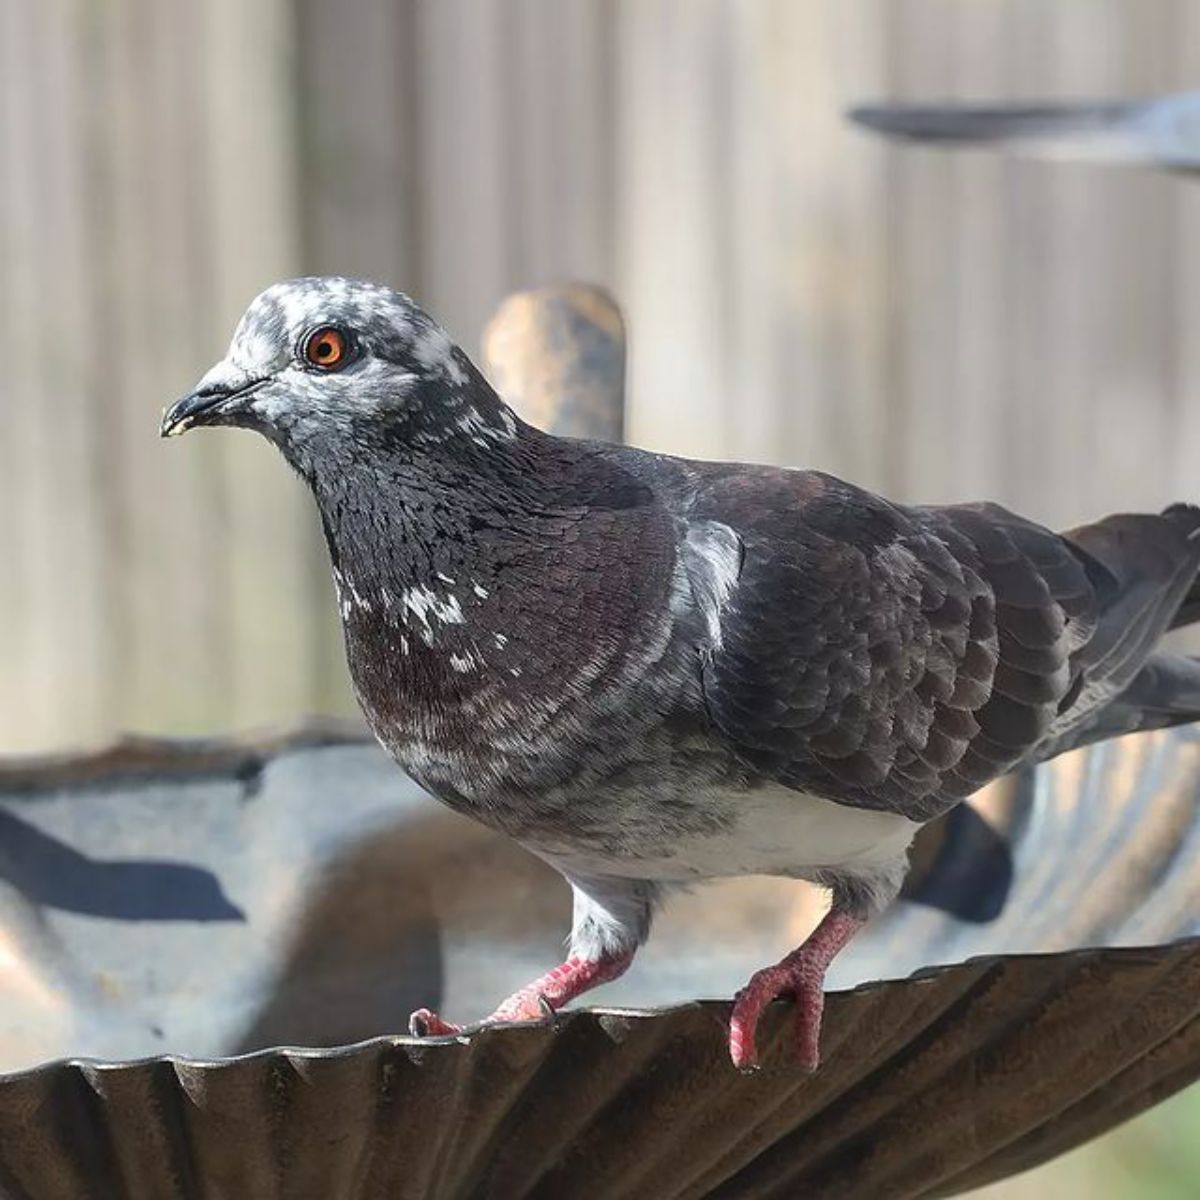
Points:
(899, 658)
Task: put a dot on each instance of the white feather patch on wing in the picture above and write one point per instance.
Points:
(712, 557)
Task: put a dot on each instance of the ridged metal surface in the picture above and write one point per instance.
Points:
(930, 1086)
(1096, 848)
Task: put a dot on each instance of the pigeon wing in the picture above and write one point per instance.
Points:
(899, 658)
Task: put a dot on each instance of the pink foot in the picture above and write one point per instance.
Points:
(542, 998)
(800, 974)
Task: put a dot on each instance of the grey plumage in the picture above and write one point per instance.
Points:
(652, 671)
(1161, 132)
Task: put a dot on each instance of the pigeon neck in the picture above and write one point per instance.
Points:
(479, 582)
(442, 505)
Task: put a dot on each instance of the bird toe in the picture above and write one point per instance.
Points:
(426, 1023)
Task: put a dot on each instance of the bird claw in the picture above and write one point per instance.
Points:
(539, 1001)
(764, 987)
(523, 1006)
(801, 974)
(426, 1023)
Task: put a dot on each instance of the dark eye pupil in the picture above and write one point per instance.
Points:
(324, 349)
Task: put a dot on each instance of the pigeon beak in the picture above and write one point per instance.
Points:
(207, 405)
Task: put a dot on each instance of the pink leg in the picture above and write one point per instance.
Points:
(547, 994)
(802, 974)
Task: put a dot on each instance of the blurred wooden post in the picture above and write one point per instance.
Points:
(557, 355)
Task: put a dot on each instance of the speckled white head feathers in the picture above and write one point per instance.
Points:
(319, 360)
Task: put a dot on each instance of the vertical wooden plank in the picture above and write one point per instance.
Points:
(918, 432)
(860, 39)
(673, 128)
(757, 273)
(26, 494)
(52, 613)
(558, 174)
(166, 631)
(253, 192)
(462, 67)
(1182, 455)
(178, 294)
(820, 295)
(1036, 415)
(115, 220)
(973, 409)
(584, 159)
(73, 611)
(356, 104)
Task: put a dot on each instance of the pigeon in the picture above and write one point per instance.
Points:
(651, 671)
(1163, 131)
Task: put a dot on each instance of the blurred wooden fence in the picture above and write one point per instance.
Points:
(933, 325)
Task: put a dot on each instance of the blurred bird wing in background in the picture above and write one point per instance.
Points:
(1162, 132)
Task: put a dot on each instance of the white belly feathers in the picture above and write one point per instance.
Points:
(777, 831)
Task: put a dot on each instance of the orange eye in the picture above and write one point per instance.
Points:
(327, 347)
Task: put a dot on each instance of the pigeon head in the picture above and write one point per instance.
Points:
(326, 366)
